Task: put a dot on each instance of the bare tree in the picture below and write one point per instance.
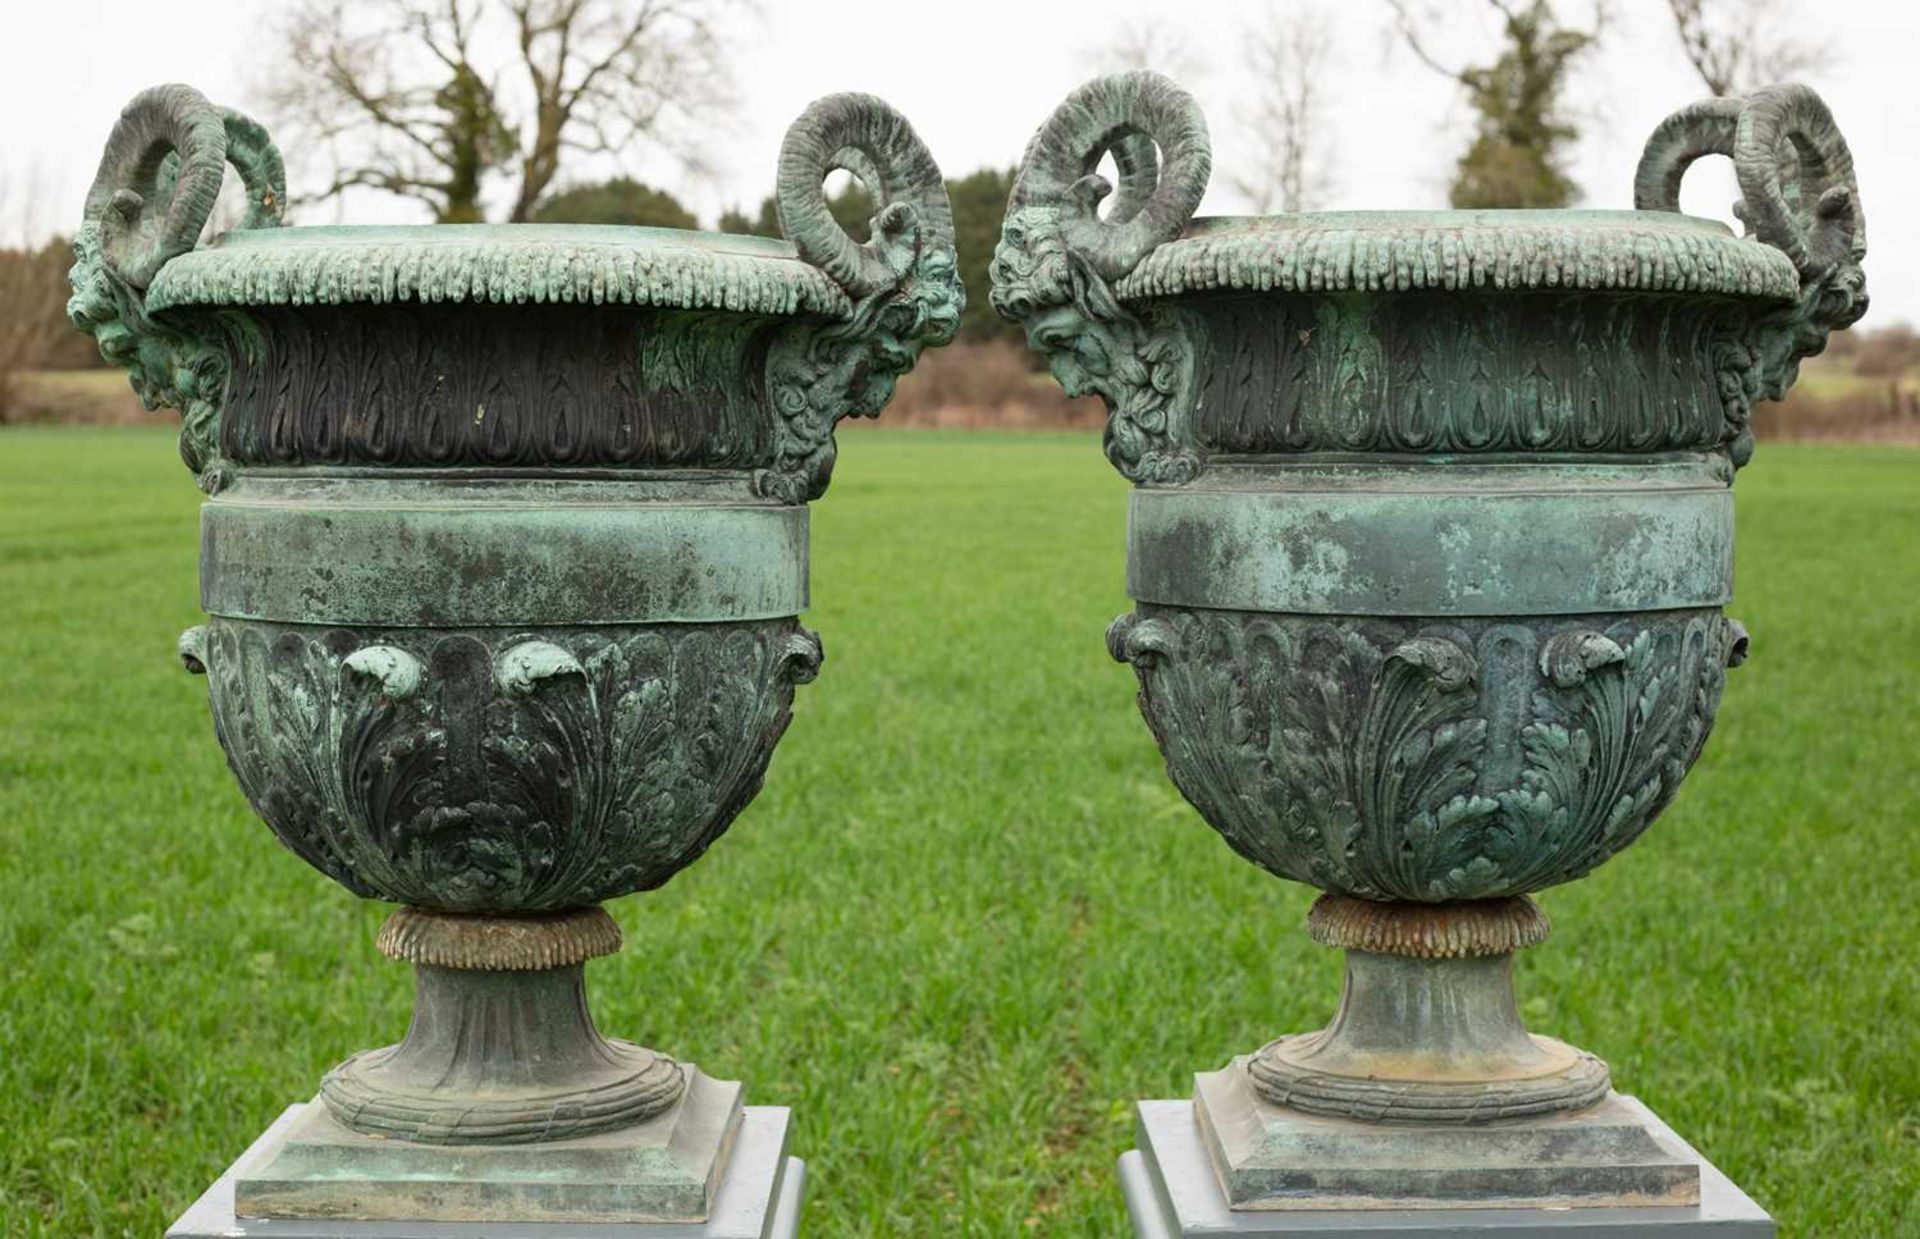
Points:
(1150, 44)
(1740, 45)
(1289, 53)
(433, 99)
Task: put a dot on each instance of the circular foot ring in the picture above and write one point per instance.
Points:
(1583, 1081)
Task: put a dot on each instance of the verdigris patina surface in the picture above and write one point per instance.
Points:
(504, 550)
(1430, 538)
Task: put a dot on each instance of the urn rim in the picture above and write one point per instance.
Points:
(499, 264)
(1489, 251)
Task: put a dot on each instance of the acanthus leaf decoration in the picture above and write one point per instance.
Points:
(1386, 760)
(467, 771)
(158, 181)
(1057, 262)
(904, 283)
(1798, 195)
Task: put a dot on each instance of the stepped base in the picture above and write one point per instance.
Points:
(664, 1169)
(1274, 1157)
(1174, 1192)
(758, 1198)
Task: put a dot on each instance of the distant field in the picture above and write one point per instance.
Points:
(969, 920)
(81, 397)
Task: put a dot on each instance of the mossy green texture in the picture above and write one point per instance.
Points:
(848, 318)
(1492, 251)
(1110, 298)
(969, 919)
(511, 264)
(457, 687)
(1512, 430)
(1424, 616)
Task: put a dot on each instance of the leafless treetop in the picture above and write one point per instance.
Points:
(1289, 53)
(1740, 45)
(432, 99)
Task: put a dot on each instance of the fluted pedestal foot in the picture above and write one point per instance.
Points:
(502, 1048)
(1427, 1030)
(503, 1103)
(1426, 1091)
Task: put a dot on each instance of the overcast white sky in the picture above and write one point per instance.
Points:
(977, 76)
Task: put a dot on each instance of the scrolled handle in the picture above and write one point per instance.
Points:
(866, 137)
(1055, 268)
(1157, 135)
(262, 172)
(801, 655)
(1134, 638)
(158, 180)
(160, 176)
(1797, 188)
(1797, 194)
(903, 284)
(156, 187)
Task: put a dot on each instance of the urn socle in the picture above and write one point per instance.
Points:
(503, 553)
(1429, 540)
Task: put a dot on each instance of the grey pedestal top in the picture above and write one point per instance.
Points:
(1172, 1193)
(760, 1199)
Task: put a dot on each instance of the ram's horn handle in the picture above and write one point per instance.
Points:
(1056, 268)
(866, 137)
(262, 172)
(160, 176)
(158, 181)
(1797, 187)
(1129, 115)
(903, 285)
(1797, 194)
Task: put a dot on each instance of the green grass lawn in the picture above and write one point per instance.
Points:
(969, 919)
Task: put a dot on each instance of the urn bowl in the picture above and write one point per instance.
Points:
(1432, 521)
(1429, 540)
(1428, 760)
(506, 536)
(503, 558)
(501, 770)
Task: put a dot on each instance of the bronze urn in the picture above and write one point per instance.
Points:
(503, 552)
(1430, 536)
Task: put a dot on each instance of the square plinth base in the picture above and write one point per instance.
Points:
(1275, 1157)
(1173, 1192)
(666, 1169)
(759, 1197)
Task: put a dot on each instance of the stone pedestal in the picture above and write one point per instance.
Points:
(1173, 1191)
(759, 1197)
